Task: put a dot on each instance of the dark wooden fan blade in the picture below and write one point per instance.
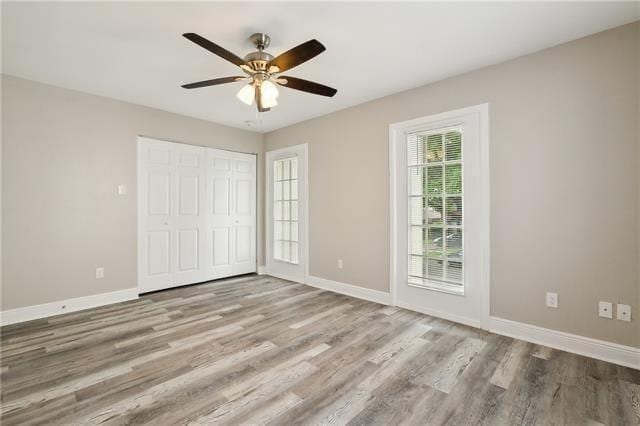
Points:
(213, 82)
(298, 55)
(259, 100)
(307, 86)
(214, 48)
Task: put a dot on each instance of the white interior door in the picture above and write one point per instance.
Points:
(243, 196)
(286, 212)
(440, 224)
(197, 214)
(155, 218)
(231, 200)
(189, 218)
(220, 226)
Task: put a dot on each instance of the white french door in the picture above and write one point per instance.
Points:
(196, 214)
(286, 212)
(440, 215)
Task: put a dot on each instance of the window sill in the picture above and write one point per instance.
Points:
(286, 262)
(456, 290)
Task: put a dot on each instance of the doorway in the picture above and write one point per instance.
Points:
(286, 213)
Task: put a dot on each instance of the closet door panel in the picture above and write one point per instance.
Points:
(190, 218)
(221, 247)
(155, 199)
(219, 213)
(188, 250)
(243, 197)
(243, 244)
(244, 213)
(158, 253)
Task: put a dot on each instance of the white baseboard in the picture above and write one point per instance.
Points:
(262, 270)
(29, 313)
(444, 315)
(285, 277)
(350, 290)
(606, 351)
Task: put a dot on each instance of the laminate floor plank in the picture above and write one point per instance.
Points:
(262, 350)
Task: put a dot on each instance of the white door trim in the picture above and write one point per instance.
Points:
(395, 132)
(303, 191)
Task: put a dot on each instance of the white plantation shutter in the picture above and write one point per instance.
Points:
(285, 210)
(435, 197)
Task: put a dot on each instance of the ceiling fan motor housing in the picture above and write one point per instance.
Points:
(258, 60)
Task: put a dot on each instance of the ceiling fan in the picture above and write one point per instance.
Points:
(262, 70)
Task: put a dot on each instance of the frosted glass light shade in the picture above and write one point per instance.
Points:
(247, 94)
(269, 91)
(269, 102)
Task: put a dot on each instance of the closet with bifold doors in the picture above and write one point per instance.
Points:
(196, 214)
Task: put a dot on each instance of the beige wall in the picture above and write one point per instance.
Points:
(564, 181)
(64, 154)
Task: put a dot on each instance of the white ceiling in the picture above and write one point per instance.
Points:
(135, 52)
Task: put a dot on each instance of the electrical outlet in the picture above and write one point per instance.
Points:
(605, 310)
(340, 263)
(552, 300)
(99, 273)
(122, 189)
(623, 312)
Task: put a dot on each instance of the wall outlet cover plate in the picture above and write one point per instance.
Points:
(605, 310)
(623, 312)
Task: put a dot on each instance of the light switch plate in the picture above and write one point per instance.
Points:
(552, 300)
(340, 264)
(623, 312)
(99, 273)
(122, 189)
(605, 310)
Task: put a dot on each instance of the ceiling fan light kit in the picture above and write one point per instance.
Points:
(262, 69)
(247, 94)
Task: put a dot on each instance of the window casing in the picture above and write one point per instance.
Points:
(285, 210)
(435, 197)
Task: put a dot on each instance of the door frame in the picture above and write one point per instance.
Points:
(396, 133)
(139, 203)
(303, 194)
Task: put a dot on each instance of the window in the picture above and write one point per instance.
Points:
(285, 210)
(435, 196)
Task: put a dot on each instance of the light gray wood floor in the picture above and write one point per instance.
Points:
(257, 350)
